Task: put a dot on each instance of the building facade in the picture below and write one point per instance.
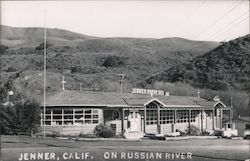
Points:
(70, 112)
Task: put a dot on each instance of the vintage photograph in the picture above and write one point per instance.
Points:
(125, 80)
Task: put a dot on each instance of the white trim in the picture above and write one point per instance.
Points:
(196, 106)
(154, 99)
(219, 102)
(94, 105)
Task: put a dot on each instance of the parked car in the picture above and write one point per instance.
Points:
(246, 133)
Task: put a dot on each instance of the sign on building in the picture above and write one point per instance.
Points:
(149, 91)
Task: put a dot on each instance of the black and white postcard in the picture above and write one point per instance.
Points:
(125, 80)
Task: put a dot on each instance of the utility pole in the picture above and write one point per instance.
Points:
(198, 93)
(121, 80)
(44, 76)
(63, 84)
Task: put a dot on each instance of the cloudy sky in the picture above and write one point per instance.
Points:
(198, 20)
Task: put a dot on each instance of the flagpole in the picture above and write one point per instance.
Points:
(44, 76)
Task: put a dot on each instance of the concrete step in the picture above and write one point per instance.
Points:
(133, 135)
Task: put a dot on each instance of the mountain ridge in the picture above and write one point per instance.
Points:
(227, 66)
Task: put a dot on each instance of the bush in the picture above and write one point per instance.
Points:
(193, 130)
(41, 46)
(113, 61)
(104, 131)
(3, 48)
(21, 117)
(11, 69)
(55, 134)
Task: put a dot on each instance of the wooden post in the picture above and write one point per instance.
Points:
(174, 116)
(189, 120)
(230, 115)
(51, 117)
(145, 118)
(158, 120)
(62, 116)
(73, 116)
(201, 120)
(173, 127)
(213, 118)
(122, 114)
(221, 116)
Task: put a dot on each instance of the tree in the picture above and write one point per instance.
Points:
(3, 48)
(41, 46)
(22, 115)
(113, 61)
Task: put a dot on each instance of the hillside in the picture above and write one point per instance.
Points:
(31, 36)
(225, 67)
(94, 60)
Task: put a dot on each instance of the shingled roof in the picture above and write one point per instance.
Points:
(111, 99)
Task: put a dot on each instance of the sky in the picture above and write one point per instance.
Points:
(195, 20)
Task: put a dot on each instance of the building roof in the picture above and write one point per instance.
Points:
(111, 99)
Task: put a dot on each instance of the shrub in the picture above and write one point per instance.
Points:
(11, 69)
(55, 134)
(104, 131)
(3, 48)
(113, 61)
(41, 46)
(193, 130)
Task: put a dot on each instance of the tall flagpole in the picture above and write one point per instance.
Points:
(44, 76)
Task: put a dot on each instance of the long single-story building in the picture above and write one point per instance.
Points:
(148, 112)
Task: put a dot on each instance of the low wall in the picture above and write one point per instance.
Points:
(70, 130)
(152, 129)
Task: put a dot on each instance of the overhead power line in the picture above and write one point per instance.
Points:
(191, 14)
(194, 11)
(218, 20)
(246, 18)
(229, 24)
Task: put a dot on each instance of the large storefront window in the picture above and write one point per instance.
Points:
(182, 116)
(166, 116)
(194, 114)
(70, 117)
(151, 116)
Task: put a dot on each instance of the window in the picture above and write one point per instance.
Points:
(182, 116)
(151, 117)
(70, 117)
(115, 115)
(194, 114)
(166, 116)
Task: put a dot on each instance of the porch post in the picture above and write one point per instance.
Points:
(122, 110)
(221, 118)
(213, 118)
(144, 121)
(189, 120)
(51, 120)
(201, 120)
(158, 120)
(173, 128)
(230, 115)
(62, 116)
(73, 116)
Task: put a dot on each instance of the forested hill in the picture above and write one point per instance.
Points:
(92, 60)
(225, 67)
